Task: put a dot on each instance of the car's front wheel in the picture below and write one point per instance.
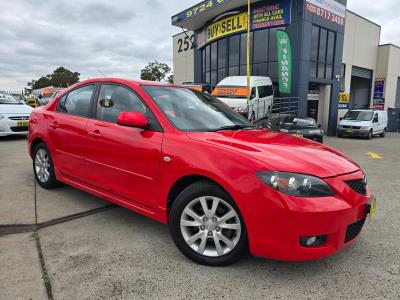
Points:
(207, 226)
(43, 167)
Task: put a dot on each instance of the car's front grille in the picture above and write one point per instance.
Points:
(358, 186)
(351, 127)
(19, 118)
(354, 230)
(19, 129)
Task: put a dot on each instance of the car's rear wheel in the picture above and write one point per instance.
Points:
(383, 134)
(43, 167)
(207, 226)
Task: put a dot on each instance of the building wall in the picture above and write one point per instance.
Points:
(389, 69)
(358, 50)
(183, 60)
(361, 40)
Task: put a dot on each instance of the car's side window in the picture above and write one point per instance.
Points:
(376, 118)
(114, 99)
(77, 102)
(265, 91)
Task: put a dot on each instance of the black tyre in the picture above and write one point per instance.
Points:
(43, 167)
(370, 135)
(383, 134)
(339, 135)
(207, 226)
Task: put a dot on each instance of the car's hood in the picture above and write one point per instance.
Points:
(15, 109)
(282, 152)
(354, 123)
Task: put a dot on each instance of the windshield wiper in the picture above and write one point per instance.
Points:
(233, 127)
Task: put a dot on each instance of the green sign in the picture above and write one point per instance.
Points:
(284, 62)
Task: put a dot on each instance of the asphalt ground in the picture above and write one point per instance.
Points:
(83, 248)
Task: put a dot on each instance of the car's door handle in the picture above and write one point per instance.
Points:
(54, 125)
(96, 134)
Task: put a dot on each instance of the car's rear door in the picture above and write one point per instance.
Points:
(122, 160)
(67, 131)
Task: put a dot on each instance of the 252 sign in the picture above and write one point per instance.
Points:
(186, 43)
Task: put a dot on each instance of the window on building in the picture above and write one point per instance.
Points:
(397, 103)
(222, 59)
(322, 53)
(234, 50)
(227, 56)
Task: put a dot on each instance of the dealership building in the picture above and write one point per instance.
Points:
(337, 60)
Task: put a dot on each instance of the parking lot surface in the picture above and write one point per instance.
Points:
(92, 250)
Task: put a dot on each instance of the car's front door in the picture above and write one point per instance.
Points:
(67, 131)
(375, 123)
(123, 161)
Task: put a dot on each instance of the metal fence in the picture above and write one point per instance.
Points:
(269, 115)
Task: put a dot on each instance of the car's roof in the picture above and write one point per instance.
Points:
(242, 80)
(132, 81)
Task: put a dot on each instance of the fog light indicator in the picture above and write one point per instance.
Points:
(313, 241)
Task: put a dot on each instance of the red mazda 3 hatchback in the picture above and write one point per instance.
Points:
(184, 158)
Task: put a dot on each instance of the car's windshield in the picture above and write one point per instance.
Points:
(357, 115)
(192, 111)
(7, 99)
(297, 123)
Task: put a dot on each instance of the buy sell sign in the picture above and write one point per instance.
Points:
(284, 62)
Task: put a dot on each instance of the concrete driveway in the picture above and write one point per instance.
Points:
(86, 248)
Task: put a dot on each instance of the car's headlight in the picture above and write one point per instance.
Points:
(241, 110)
(294, 184)
(365, 128)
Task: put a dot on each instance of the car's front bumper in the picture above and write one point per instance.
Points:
(353, 132)
(18, 125)
(277, 226)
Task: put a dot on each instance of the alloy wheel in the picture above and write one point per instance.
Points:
(42, 165)
(210, 226)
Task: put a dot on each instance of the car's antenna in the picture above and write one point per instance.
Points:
(104, 75)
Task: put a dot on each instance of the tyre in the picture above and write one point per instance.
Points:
(207, 226)
(370, 135)
(43, 167)
(383, 134)
(339, 135)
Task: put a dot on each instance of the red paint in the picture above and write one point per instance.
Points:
(126, 166)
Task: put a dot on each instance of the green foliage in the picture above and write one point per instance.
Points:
(60, 77)
(155, 71)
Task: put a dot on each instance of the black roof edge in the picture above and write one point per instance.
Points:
(389, 44)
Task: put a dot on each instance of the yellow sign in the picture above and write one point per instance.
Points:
(226, 27)
(344, 97)
(374, 155)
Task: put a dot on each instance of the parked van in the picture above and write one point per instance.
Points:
(364, 123)
(233, 92)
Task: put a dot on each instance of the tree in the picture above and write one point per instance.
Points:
(155, 71)
(171, 78)
(60, 77)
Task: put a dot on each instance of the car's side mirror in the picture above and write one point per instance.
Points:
(319, 126)
(341, 119)
(133, 119)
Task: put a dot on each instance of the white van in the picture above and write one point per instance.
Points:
(233, 92)
(364, 123)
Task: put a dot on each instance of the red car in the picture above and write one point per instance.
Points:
(185, 159)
